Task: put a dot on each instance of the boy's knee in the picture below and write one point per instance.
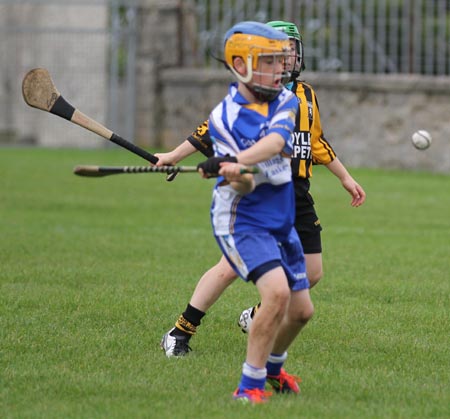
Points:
(280, 297)
(278, 300)
(302, 314)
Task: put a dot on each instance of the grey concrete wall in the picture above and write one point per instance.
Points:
(71, 42)
(368, 119)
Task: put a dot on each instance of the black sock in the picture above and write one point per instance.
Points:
(193, 315)
(187, 323)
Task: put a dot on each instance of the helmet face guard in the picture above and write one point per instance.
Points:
(269, 90)
(299, 64)
(252, 41)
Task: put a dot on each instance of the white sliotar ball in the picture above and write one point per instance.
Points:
(421, 139)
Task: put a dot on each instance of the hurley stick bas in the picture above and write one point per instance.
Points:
(101, 171)
(40, 92)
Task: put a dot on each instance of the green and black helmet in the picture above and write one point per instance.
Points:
(291, 30)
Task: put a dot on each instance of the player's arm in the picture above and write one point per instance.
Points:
(199, 140)
(177, 154)
(353, 188)
(321, 149)
(266, 148)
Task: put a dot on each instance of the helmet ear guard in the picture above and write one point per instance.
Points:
(240, 77)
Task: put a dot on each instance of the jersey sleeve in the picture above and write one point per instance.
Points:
(321, 150)
(201, 139)
(283, 121)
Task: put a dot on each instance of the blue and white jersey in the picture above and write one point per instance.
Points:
(235, 125)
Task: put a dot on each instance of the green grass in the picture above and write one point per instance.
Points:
(94, 271)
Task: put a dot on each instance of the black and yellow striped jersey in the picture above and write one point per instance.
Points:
(310, 145)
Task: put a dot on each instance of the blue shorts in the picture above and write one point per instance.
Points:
(251, 252)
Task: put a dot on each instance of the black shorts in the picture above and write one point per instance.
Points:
(308, 226)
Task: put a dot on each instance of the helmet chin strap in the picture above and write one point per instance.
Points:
(262, 93)
(295, 75)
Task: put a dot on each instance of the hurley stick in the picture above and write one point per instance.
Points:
(40, 92)
(101, 171)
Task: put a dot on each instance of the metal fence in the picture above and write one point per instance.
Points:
(367, 36)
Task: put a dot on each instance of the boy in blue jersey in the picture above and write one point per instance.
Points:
(316, 150)
(253, 216)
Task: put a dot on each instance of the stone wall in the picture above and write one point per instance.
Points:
(158, 43)
(368, 119)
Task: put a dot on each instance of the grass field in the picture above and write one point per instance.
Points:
(94, 271)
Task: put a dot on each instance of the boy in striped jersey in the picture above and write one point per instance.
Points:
(310, 148)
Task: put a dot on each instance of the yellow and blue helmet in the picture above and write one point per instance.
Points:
(251, 40)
